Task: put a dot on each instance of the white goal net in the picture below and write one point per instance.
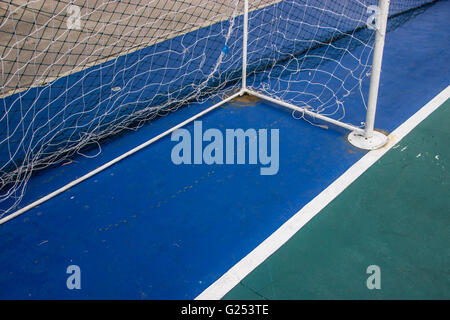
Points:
(75, 72)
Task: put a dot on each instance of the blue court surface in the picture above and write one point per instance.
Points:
(146, 228)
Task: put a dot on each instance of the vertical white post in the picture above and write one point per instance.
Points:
(372, 139)
(376, 67)
(244, 46)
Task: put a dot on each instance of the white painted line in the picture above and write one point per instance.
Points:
(240, 270)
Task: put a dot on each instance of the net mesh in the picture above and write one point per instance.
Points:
(316, 53)
(75, 72)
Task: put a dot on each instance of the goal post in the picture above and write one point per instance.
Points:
(372, 139)
(74, 72)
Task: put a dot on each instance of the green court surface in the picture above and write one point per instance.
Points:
(395, 216)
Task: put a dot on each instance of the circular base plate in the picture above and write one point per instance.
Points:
(360, 141)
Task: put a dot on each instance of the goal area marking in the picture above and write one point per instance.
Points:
(251, 261)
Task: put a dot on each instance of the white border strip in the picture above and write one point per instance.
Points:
(240, 270)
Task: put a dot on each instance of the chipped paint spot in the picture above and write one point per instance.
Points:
(245, 100)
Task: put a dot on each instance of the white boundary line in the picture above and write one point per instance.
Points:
(240, 270)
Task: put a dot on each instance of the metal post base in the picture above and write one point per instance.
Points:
(359, 140)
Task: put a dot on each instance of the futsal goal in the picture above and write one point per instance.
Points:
(76, 72)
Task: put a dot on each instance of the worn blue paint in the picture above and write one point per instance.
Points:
(146, 228)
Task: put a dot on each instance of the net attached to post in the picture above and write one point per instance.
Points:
(316, 53)
(76, 72)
